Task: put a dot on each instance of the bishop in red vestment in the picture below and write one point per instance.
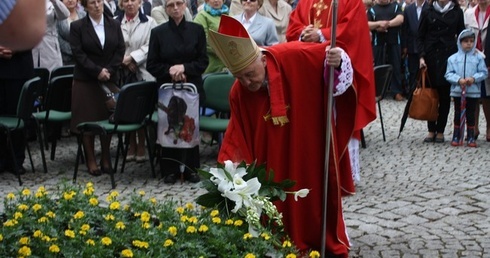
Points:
(278, 117)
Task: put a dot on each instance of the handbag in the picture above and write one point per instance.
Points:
(111, 91)
(425, 100)
(178, 115)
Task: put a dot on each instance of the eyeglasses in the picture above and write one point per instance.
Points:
(173, 5)
(251, 1)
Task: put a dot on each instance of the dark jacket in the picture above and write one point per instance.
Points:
(20, 66)
(436, 40)
(183, 44)
(410, 27)
(88, 53)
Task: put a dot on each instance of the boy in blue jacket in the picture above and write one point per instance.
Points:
(466, 70)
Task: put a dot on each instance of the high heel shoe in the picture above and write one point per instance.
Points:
(94, 172)
(106, 170)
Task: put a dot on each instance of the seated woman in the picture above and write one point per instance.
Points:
(98, 49)
(260, 28)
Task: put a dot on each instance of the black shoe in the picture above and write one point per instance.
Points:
(170, 179)
(192, 177)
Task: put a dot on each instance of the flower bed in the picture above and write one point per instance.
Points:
(70, 222)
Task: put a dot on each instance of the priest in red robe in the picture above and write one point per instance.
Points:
(278, 117)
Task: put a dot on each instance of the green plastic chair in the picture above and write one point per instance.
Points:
(29, 94)
(135, 103)
(217, 89)
(57, 107)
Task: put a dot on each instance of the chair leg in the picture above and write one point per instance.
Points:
(79, 153)
(363, 140)
(41, 147)
(381, 119)
(29, 154)
(150, 154)
(12, 152)
(124, 150)
(118, 150)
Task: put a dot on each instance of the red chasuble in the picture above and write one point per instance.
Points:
(296, 150)
(352, 35)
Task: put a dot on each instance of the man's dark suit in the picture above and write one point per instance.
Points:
(410, 28)
(88, 53)
(146, 7)
(14, 72)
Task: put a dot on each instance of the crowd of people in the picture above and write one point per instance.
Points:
(271, 47)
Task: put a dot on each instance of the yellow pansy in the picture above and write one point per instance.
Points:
(24, 241)
(42, 219)
(115, 206)
(50, 214)
(146, 225)
(314, 254)
(90, 242)
(36, 207)
(106, 241)
(54, 249)
(193, 219)
(168, 243)
(153, 200)
(229, 222)
(26, 192)
(142, 193)
(216, 220)
(17, 215)
(70, 233)
(10, 223)
(238, 222)
(85, 227)
(203, 228)
(109, 217)
(37, 233)
(25, 251)
(10, 196)
(191, 229)
(93, 201)
(180, 210)
(145, 216)
(214, 213)
(247, 236)
(79, 215)
(127, 253)
(172, 230)
(286, 244)
(189, 206)
(291, 256)
(22, 207)
(265, 236)
(249, 255)
(120, 225)
(141, 244)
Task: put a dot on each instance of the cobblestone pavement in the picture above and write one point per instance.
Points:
(414, 199)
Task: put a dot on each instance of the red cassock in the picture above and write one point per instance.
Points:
(352, 35)
(296, 150)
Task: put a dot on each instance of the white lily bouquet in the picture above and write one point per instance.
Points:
(248, 191)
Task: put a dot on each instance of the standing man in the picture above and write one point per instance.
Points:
(278, 117)
(477, 19)
(15, 69)
(410, 27)
(385, 20)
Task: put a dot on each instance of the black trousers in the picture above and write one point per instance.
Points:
(470, 111)
(9, 95)
(390, 54)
